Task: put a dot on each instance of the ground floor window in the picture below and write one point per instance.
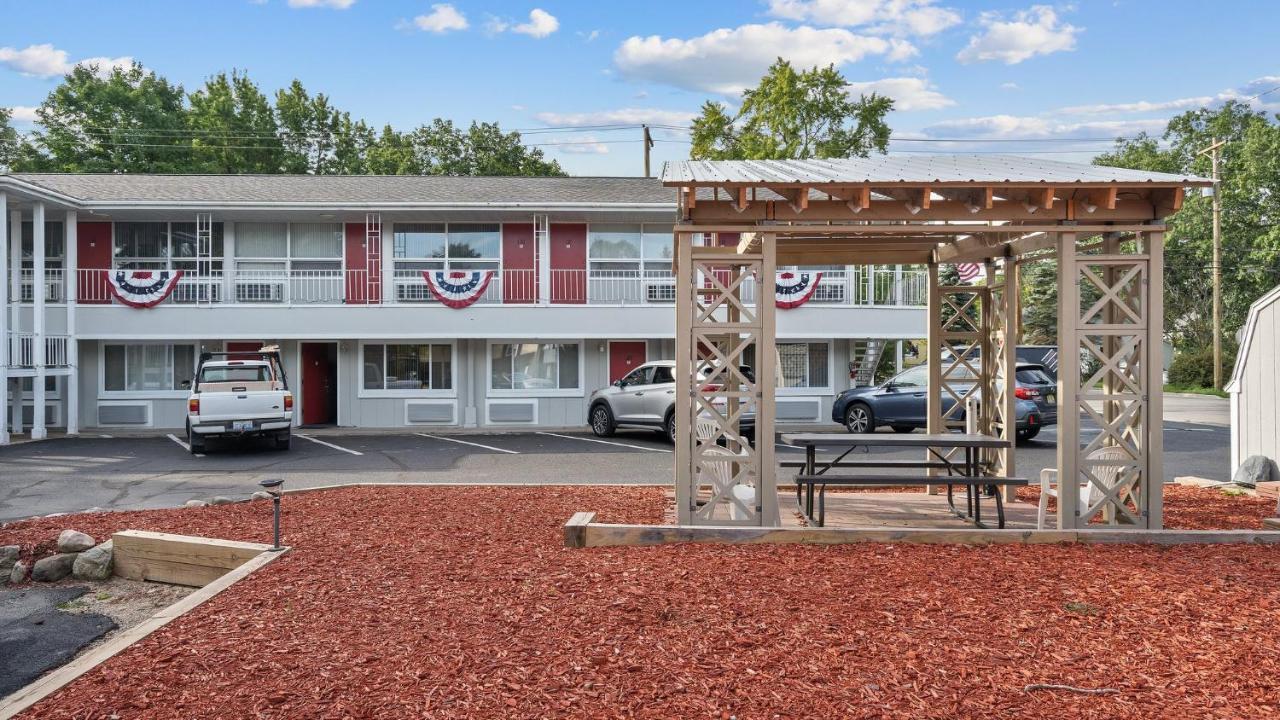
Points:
(149, 367)
(408, 367)
(804, 365)
(533, 366)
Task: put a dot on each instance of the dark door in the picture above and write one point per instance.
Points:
(319, 383)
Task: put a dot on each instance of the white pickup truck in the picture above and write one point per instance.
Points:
(240, 395)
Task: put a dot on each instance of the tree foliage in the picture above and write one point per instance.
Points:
(794, 114)
(132, 120)
(1250, 196)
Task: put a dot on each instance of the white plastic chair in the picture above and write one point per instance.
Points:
(719, 463)
(1089, 493)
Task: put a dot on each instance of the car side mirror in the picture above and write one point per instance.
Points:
(619, 384)
(186, 384)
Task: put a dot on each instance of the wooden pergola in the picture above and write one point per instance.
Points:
(740, 220)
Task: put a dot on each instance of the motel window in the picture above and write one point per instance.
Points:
(408, 367)
(147, 367)
(54, 261)
(630, 248)
(163, 246)
(315, 246)
(439, 246)
(533, 366)
(803, 365)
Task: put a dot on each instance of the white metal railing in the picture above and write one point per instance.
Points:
(54, 286)
(859, 286)
(22, 350)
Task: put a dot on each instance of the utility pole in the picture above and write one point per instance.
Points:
(1212, 150)
(648, 145)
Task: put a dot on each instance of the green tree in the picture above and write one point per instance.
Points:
(129, 120)
(10, 142)
(308, 130)
(442, 148)
(790, 114)
(1250, 196)
(392, 154)
(233, 127)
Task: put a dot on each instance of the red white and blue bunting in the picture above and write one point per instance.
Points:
(142, 288)
(794, 289)
(457, 289)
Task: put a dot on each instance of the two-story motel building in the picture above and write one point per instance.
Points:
(330, 269)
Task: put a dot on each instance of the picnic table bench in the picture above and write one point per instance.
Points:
(972, 473)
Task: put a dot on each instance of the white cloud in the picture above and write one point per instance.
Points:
(900, 17)
(584, 145)
(335, 4)
(907, 93)
(729, 60)
(541, 24)
(47, 61)
(1022, 127)
(24, 113)
(443, 18)
(1027, 33)
(622, 116)
(1248, 93)
(1009, 86)
(589, 36)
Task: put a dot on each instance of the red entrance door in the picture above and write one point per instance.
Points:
(318, 380)
(625, 357)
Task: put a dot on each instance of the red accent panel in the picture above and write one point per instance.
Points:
(93, 252)
(625, 357)
(728, 239)
(569, 264)
(251, 348)
(361, 290)
(316, 391)
(519, 263)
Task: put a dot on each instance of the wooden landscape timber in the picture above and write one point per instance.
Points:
(178, 559)
(581, 532)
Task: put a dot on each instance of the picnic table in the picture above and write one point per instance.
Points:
(971, 472)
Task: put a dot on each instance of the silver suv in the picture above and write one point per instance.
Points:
(645, 398)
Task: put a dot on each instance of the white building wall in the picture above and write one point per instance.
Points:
(1255, 385)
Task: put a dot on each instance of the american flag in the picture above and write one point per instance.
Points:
(968, 271)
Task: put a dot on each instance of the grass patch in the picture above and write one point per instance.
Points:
(1081, 608)
(1196, 390)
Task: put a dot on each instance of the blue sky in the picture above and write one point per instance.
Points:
(973, 71)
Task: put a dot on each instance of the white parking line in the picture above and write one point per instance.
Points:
(472, 444)
(328, 444)
(604, 442)
(183, 443)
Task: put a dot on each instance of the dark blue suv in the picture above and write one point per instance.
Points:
(901, 402)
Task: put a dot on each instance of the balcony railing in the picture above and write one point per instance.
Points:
(858, 286)
(22, 350)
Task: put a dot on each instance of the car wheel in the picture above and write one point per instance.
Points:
(602, 424)
(859, 419)
(903, 428)
(1025, 435)
(284, 440)
(194, 442)
(669, 428)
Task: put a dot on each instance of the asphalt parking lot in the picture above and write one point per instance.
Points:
(97, 471)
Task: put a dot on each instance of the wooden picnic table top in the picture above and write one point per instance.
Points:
(904, 440)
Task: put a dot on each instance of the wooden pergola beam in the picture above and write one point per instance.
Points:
(716, 211)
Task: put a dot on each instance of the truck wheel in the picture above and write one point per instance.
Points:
(602, 424)
(194, 441)
(284, 440)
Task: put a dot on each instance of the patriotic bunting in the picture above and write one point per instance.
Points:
(142, 288)
(794, 289)
(968, 271)
(457, 289)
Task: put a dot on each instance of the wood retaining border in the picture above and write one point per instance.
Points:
(581, 532)
(211, 565)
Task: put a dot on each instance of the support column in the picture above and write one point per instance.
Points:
(1003, 334)
(4, 322)
(686, 279)
(71, 389)
(1068, 382)
(1152, 495)
(15, 313)
(38, 430)
(933, 360)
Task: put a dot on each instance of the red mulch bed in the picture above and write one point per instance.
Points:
(1195, 508)
(396, 604)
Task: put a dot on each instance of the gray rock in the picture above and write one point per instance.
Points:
(94, 563)
(8, 557)
(18, 573)
(53, 568)
(1256, 469)
(195, 503)
(74, 541)
(261, 495)
(220, 500)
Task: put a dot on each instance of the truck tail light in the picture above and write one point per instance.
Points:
(193, 406)
(1026, 393)
(288, 402)
(711, 387)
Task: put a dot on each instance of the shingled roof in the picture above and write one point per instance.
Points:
(390, 190)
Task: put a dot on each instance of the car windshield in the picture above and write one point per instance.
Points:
(1033, 376)
(917, 376)
(235, 373)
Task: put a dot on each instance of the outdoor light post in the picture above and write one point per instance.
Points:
(274, 487)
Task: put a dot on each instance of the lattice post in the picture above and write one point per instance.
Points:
(1111, 322)
(716, 332)
(959, 323)
(999, 364)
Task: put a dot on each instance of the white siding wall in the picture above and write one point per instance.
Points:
(1256, 396)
